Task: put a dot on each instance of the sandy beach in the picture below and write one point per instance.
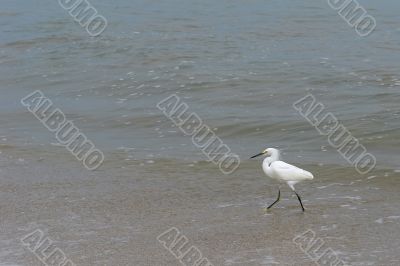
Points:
(98, 218)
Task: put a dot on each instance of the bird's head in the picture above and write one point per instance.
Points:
(266, 152)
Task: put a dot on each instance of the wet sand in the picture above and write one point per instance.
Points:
(113, 216)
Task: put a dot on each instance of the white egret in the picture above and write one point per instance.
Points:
(283, 172)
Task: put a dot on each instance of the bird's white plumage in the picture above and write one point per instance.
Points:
(286, 172)
(281, 171)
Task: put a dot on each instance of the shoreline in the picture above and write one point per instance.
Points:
(114, 216)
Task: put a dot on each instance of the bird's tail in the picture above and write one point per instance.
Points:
(308, 175)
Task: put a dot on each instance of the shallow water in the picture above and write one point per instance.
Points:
(240, 66)
(241, 76)
(114, 217)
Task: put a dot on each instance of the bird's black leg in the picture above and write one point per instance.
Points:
(299, 200)
(279, 197)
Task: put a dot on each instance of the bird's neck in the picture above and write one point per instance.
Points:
(267, 166)
(275, 156)
(267, 161)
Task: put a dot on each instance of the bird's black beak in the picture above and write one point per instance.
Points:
(261, 153)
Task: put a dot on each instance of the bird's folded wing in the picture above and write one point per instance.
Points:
(290, 172)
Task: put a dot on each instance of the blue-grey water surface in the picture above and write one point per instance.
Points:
(240, 65)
